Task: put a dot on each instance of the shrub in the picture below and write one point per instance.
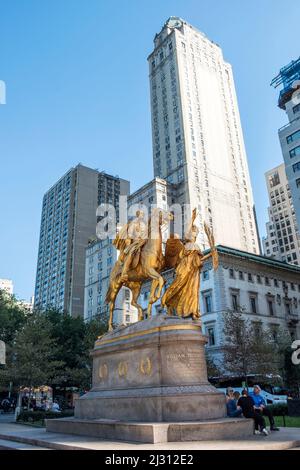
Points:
(33, 416)
(279, 409)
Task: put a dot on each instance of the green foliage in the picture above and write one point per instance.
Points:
(33, 361)
(74, 339)
(50, 347)
(12, 317)
(249, 348)
(279, 409)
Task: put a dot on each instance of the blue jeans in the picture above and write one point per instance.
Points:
(235, 414)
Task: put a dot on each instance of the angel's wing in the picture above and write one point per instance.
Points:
(173, 248)
(211, 241)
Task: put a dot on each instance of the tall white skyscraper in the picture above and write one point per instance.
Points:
(197, 136)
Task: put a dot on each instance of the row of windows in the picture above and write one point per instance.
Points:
(259, 279)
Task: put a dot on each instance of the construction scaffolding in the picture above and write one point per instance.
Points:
(288, 77)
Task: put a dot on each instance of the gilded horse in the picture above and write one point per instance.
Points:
(149, 265)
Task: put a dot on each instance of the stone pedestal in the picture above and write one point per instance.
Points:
(152, 371)
(146, 378)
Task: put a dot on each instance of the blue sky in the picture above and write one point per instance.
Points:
(77, 91)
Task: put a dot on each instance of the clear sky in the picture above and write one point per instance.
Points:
(77, 91)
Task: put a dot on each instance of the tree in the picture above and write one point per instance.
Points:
(33, 361)
(213, 369)
(249, 348)
(12, 317)
(75, 338)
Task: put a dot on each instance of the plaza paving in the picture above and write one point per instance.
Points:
(20, 437)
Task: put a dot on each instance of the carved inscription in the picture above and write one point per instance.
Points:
(185, 361)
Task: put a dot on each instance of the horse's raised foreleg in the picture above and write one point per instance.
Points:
(158, 290)
(111, 312)
(152, 297)
(114, 292)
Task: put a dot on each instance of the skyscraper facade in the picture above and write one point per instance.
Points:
(68, 221)
(289, 101)
(282, 241)
(197, 136)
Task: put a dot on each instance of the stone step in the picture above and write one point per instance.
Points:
(152, 433)
(45, 441)
(14, 445)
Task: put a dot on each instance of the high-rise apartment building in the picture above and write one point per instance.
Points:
(282, 241)
(197, 136)
(7, 285)
(68, 221)
(289, 135)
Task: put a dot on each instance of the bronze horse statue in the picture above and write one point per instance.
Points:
(149, 264)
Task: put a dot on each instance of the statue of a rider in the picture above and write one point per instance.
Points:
(129, 241)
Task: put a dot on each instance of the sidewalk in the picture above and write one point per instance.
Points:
(38, 438)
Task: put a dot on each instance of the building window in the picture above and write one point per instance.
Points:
(293, 137)
(231, 273)
(270, 302)
(274, 179)
(205, 275)
(250, 278)
(211, 336)
(208, 303)
(253, 303)
(241, 275)
(235, 302)
(258, 279)
(295, 151)
(296, 167)
(296, 108)
(267, 281)
(288, 308)
(298, 182)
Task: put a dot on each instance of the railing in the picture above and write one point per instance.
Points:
(288, 124)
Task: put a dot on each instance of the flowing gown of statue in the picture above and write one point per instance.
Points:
(183, 294)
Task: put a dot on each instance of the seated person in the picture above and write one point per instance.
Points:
(55, 407)
(260, 406)
(232, 410)
(246, 403)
